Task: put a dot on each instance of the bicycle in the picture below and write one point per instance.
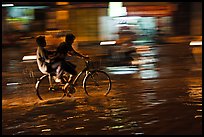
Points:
(96, 82)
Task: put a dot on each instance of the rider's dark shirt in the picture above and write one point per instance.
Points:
(63, 49)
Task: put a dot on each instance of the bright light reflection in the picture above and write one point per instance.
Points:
(10, 84)
(107, 42)
(195, 43)
(146, 74)
(7, 5)
(29, 57)
(122, 69)
(116, 9)
(79, 128)
(143, 61)
(46, 130)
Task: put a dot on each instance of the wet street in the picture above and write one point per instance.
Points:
(156, 92)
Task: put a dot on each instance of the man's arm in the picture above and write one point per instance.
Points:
(78, 54)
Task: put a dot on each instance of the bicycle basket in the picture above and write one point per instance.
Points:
(94, 64)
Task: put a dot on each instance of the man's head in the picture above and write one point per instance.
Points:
(40, 40)
(69, 38)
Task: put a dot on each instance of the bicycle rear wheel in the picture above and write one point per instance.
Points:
(97, 83)
(45, 90)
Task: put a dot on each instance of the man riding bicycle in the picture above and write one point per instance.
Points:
(65, 48)
(58, 62)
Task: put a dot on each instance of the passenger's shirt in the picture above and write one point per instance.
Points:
(42, 59)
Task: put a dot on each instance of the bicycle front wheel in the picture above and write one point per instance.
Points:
(97, 83)
(48, 89)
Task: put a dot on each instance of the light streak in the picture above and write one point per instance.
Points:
(195, 43)
(7, 5)
(108, 42)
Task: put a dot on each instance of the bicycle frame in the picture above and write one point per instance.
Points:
(85, 70)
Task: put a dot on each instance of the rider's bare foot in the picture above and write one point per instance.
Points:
(58, 80)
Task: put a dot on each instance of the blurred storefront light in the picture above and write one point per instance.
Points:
(31, 57)
(107, 42)
(195, 43)
(151, 10)
(122, 70)
(62, 3)
(116, 9)
(7, 5)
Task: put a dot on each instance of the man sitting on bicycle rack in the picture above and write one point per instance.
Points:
(44, 61)
(65, 48)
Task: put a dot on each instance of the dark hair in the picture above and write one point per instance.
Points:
(69, 37)
(40, 40)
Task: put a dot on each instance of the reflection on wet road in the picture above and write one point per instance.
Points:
(158, 93)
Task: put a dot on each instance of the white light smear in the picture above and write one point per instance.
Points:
(148, 74)
(107, 42)
(10, 84)
(195, 43)
(120, 25)
(79, 128)
(7, 5)
(46, 130)
(116, 9)
(29, 57)
(144, 61)
(122, 70)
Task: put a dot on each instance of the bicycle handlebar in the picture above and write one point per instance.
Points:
(87, 61)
